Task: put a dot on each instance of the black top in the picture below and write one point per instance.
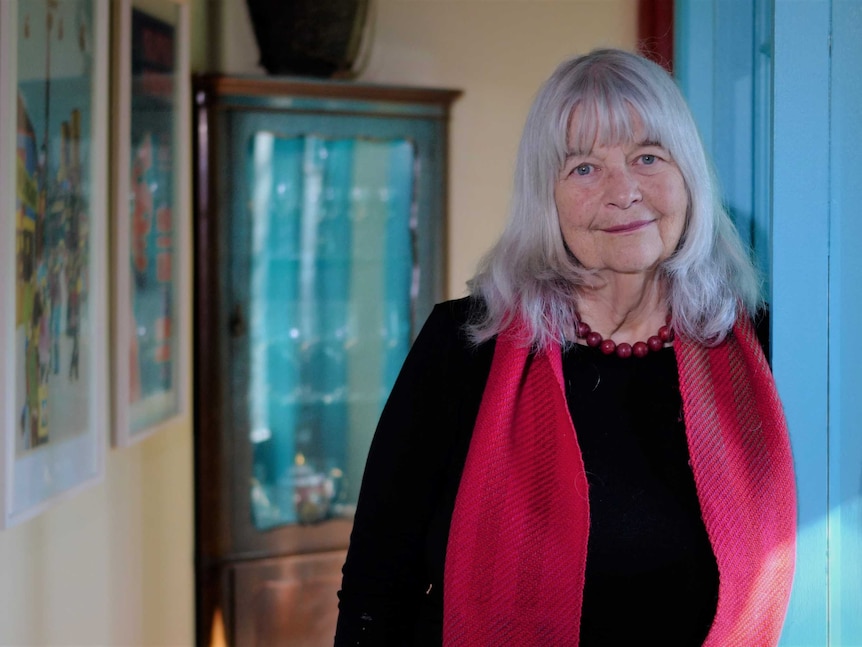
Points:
(651, 574)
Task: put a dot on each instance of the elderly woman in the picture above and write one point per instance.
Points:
(589, 449)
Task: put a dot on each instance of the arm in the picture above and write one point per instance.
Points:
(408, 477)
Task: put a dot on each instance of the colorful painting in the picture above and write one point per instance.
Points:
(150, 214)
(53, 245)
(58, 220)
(153, 351)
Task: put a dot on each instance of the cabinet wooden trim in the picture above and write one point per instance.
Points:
(255, 86)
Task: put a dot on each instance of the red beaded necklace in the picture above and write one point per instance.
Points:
(638, 349)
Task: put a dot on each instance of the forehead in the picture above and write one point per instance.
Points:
(594, 123)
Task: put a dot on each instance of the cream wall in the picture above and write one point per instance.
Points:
(114, 564)
(111, 565)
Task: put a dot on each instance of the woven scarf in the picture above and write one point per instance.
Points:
(517, 547)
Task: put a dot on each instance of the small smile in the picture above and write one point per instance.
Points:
(627, 227)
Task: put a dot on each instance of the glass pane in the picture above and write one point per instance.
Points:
(331, 271)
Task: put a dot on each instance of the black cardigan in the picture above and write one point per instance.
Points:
(651, 574)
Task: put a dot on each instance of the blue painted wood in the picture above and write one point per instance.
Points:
(800, 288)
(724, 70)
(761, 117)
(845, 324)
(694, 60)
(763, 105)
(733, 106)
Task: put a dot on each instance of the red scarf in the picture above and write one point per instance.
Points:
(517, 547)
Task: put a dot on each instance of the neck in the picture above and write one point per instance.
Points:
(625, 307)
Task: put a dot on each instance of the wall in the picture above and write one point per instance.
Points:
(113, 565)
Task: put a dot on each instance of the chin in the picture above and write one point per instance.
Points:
(635, 266)
(637, 262)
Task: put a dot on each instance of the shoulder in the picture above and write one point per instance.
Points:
(445, 343)
(452, 317)
(460, 310)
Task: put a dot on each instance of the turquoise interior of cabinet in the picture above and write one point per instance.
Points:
(334, 258)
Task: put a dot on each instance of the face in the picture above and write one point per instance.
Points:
(622, 208)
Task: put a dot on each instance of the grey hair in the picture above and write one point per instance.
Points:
(531, 275)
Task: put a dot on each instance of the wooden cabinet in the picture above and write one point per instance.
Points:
(286, 600)
(319, 250)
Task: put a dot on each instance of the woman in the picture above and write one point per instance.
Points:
(588, 450)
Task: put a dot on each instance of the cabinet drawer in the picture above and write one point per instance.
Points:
(290, 601)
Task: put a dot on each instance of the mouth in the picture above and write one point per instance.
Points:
(627, 227)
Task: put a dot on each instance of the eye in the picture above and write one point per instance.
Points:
(648, 159)
(583, 169)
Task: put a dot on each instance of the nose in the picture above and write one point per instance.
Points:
(623, 188)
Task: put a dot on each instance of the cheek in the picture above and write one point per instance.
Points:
(573, 211)
(673, 200)
(673, 223)
(577, 239)
(574, 221)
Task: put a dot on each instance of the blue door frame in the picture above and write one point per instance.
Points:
(845, 325)
(799, 136)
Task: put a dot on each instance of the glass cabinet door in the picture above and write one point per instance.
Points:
(334, 243)
(326, 257)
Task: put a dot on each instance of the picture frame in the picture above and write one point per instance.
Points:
(53, 250)
(150, 216)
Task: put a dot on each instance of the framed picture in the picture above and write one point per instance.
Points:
(150, 215)
(53, 291)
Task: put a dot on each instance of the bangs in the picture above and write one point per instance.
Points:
(612, 114)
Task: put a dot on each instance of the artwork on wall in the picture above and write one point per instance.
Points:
(53, 311)
(150, 215)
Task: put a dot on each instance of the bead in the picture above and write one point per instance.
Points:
(624, 350)
(665, 334)
(640, 349)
